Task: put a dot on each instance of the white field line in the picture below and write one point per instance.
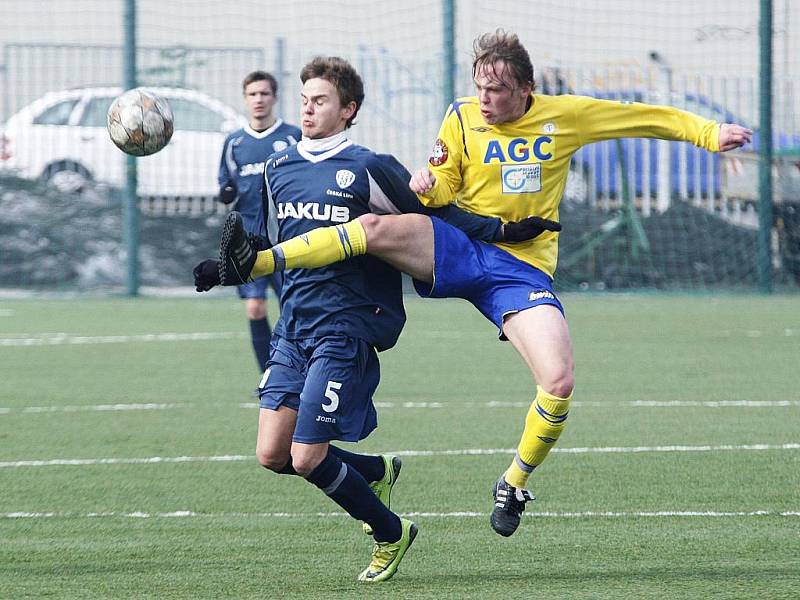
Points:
(46, 339)
(716, 403)
(57, 339)
(589, 403)
(413, 405)
(99, 408)
(446, 515)
(419, 453)
(449, 334)
(592, 403)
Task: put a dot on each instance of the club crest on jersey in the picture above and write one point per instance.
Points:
(439, 153)
(344, 178)
(279, 145)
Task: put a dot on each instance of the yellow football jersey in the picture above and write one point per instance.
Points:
(518, 169)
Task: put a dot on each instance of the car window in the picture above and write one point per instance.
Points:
(58, 114)
(191, 116)
(95, 114)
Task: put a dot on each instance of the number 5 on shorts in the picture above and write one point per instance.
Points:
(332, 396)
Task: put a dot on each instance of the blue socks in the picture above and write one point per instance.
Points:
(260, 335)
(345, 486)
(371, 467)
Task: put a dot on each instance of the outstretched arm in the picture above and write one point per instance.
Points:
(597, 120)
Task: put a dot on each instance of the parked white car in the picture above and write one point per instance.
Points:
(62, 139)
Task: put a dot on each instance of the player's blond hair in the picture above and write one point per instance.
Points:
(342, 75)
(504, 46)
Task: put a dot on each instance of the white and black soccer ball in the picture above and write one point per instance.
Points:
(140, 122)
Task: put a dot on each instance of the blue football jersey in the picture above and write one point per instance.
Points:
(340, 181)
(242, 165)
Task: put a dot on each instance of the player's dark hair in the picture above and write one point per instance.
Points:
(342, 75)
(501, 45)
(261, 76)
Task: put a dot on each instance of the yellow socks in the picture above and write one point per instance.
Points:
(317, 248)
(265, 264)
(543, 425)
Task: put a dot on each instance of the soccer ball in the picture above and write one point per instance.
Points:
(140, 122)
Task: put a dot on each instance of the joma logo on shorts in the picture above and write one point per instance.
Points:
(321, 419)
(533, 296)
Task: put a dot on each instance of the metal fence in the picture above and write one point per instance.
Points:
(702, 58)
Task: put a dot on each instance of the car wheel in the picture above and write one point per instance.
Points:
(67, 177)
(576, 189)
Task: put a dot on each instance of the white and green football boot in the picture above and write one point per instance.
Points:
(383, 487)
(386, 556)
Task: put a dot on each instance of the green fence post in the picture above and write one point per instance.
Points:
(765, 148)
(449, 50)
(131, 214)
(280, 73)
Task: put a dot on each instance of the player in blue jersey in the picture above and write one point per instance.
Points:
(240, 171)
(323, 369)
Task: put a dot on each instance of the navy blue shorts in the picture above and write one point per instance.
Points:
(494, 281)
(329, 381)
(258, 287)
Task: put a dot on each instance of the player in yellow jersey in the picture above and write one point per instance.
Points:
(502, 153)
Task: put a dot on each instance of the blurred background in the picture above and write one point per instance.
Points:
(637, 214)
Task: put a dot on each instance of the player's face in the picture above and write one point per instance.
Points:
(259, 98)
(501, 98)
(322, 112)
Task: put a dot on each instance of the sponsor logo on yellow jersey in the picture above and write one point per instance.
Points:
(519, 150)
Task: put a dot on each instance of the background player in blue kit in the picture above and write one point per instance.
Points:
(240, 175)
(323, 368)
